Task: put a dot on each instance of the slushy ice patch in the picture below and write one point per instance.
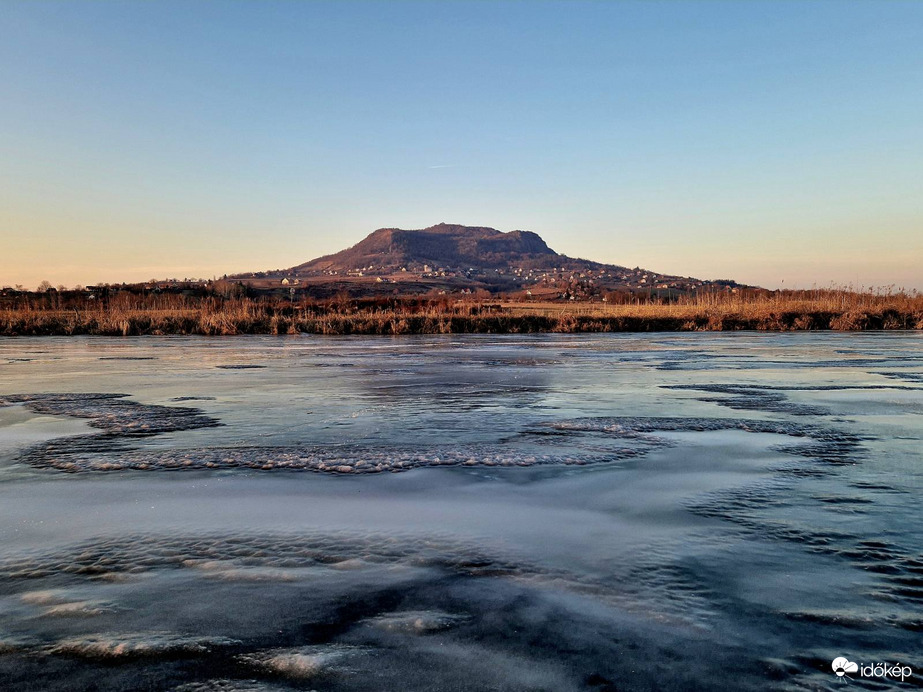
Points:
(625, 438)
(331, 460)
(415, 622)
(697, 361)
(772, 399)
(816, 442)
(303, 662)
(906, 376)
(137, 645)
(120, 420)
(135, 555)
(894, 573)
(480, 618)
(224, 685)
(113, 413)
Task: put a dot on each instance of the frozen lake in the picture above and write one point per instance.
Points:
(573, 512)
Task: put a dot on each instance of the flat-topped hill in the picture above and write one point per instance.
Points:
(453, 258)
(440, 246)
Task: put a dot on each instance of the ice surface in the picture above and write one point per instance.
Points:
(544, 512)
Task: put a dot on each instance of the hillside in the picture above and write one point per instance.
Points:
(443, 245)
(451, 258)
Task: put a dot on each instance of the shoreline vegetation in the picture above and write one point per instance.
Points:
(127, 314)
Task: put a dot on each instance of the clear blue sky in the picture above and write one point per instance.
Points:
(746, 140)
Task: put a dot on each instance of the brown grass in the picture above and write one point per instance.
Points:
(129, 315)
(746, 310)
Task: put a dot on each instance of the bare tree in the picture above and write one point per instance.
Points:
(44, 287)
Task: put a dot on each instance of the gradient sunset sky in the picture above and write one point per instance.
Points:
(756, 141)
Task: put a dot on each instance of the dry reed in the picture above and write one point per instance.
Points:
(130, 315)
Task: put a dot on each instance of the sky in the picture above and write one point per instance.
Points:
(778, 144)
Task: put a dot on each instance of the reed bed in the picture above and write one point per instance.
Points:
(132, 315)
